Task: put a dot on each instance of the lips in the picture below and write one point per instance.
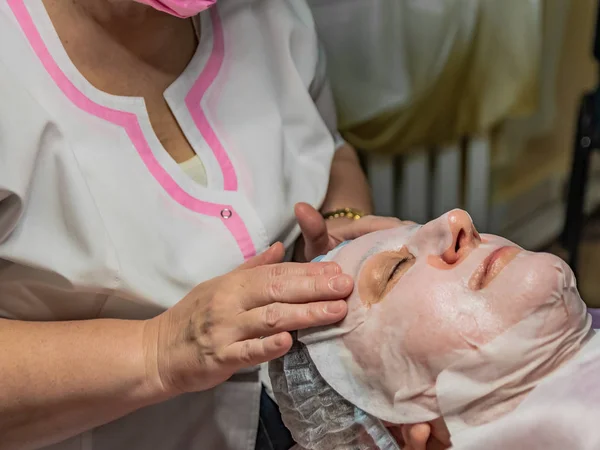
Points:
(492, 266)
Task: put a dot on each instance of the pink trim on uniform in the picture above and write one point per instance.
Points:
(130, 123)
(194, 98)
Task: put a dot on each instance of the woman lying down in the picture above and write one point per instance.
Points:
(452, 340)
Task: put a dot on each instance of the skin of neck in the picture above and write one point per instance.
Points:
(112, 13)
(145, 33)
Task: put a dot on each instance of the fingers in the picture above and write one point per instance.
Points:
(278, 317)
(440, 436)
(416, 436)
(296, 269)
(314, 229)
(253, 352)
(295, 288)
(274, 254)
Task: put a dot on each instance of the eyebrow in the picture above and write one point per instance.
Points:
(378, 246)
(375, 249)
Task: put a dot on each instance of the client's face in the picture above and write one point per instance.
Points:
(442, 287)
(447, 327)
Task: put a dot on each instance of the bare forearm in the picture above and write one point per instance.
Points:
(58, 379)
(348, 186)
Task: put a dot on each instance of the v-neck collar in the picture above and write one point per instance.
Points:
(176, 95)
(131, 115)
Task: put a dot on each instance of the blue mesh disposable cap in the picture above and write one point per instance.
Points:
(317, 416)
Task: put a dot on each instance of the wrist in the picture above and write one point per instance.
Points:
(155, 385)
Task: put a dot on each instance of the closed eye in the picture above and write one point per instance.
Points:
(397, 271)
(382, 272)
(397, 268)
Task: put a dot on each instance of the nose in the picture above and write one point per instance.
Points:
(464, 236)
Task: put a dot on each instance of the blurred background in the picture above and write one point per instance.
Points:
(476, 104)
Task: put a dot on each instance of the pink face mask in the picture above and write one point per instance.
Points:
(179, 8)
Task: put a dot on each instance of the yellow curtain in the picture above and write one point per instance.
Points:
(480, 76)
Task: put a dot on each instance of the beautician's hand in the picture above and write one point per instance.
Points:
(320, 236)
(421, 436)
(216, 329)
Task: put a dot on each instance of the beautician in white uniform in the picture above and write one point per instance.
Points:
(146, 153)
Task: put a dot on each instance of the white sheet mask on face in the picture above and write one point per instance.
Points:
(436, 346)
(561, 413)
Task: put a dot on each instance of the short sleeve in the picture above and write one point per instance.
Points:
(19, 147)
(320, 91)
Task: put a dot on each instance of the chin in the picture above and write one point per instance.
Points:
(556, 265)
(552, 277)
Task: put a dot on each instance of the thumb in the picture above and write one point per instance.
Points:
(273, 255)
(314, 230)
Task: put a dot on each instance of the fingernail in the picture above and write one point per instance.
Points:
(331, 269)
(334, 308)
(340, 283)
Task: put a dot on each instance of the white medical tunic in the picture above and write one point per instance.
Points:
(98, 221)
